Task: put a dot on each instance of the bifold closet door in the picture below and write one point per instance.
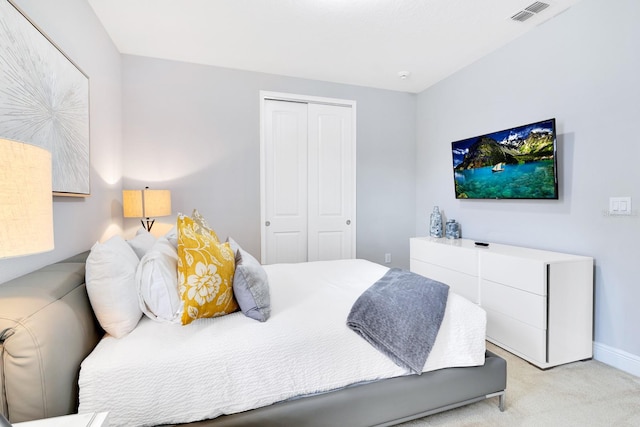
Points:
(308, 181)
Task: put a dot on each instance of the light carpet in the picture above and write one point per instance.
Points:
(587, 393)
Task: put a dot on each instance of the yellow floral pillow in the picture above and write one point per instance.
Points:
(205, 272)
(201, 225)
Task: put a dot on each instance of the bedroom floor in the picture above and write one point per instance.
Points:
(577, 394)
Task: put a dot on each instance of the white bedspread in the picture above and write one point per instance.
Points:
(166, 373)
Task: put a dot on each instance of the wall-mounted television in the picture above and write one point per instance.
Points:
(515, 163)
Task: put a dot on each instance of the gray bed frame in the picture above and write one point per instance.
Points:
(47, 328)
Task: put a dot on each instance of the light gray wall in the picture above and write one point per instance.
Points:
(195, 130)
(79, 222)
(581, 68)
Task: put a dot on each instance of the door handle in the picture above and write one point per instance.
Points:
(267, 223)
(348, 222)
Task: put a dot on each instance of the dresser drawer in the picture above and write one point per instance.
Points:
(521, 338)
(521, 273)
(460, 283)
(448, 256)
(517, 304)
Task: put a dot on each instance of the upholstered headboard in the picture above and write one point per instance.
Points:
(47, 328)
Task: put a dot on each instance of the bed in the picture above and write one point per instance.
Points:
(48, 331)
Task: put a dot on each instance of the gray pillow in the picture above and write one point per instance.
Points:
(250, 285)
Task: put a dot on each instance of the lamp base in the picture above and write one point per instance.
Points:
(148, 225)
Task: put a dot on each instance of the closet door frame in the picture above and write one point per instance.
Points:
(281, 96)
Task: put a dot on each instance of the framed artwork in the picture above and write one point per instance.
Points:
(44, 100)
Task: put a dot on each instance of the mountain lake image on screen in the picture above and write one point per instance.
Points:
(515, 163)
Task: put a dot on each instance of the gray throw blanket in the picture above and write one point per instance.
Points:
(400, 315)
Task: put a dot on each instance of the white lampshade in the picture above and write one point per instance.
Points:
(146, 203)
(26, 205)
(132, 203)
(156, 203)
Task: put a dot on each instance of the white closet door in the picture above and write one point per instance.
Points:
(307, 180)
(331, 183)
(285, 180)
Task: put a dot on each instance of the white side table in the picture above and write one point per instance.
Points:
(93, 419)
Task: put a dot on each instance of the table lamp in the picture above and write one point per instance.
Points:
(146, 204)
(26, 206)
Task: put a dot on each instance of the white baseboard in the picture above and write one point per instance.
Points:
(617, 358)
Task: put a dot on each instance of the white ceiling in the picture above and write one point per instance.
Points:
(359, 42)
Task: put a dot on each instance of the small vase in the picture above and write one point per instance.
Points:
(435, 223)
(452, 229)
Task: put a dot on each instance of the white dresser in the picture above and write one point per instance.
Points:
(539, 304)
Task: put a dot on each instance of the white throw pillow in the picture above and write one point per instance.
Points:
(142, 242)
(172, 236)
(157, 283)
(110, 277)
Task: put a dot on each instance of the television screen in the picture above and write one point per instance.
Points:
(516, 163)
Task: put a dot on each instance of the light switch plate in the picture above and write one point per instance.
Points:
(620, 205)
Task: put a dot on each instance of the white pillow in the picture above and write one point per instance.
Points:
(142, 242)
(157, 283)
(110, 277)
(172, 236)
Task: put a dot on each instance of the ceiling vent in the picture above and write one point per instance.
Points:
(522, 16)
(530, 11)
(536, 7)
